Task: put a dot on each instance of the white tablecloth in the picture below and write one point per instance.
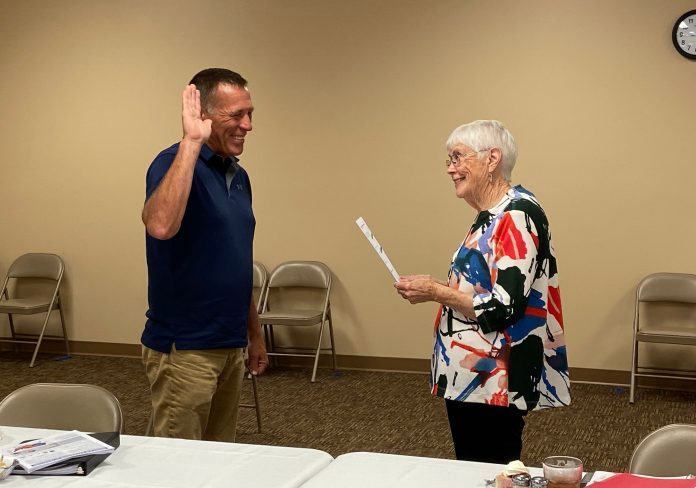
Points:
(369, 469)
(142, 462)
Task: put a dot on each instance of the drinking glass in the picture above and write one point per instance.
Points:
(563, 471)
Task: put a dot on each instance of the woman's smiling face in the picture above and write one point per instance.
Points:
(468, 171)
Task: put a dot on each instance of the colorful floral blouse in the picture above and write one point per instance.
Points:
(514, 353)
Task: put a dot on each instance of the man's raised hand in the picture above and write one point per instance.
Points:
(196, 129)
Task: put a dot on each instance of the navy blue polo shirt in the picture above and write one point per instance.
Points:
(200, 281)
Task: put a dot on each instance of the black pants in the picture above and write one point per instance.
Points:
(485, 433)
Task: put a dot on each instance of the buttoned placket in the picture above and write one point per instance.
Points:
(230, 169)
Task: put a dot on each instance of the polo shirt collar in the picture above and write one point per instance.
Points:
(213, 160)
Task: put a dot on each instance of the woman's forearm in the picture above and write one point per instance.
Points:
(459, 301)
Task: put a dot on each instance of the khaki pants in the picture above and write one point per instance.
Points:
(195, 393)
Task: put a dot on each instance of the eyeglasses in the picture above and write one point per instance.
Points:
(456, 159)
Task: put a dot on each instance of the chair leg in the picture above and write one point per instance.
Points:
(38, 342)
(12, 331)
(65, 332)
(333, 344)
(257, 405)
(150, 422)
(316, 356)
(634, 368)
(266, 338)
(272, 343)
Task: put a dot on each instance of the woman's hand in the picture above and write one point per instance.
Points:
(425, 288)
(417, 288)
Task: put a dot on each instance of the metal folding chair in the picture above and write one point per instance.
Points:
(289, 301)
(33, 266)
(662, 287)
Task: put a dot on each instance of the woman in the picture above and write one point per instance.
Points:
(499, 346)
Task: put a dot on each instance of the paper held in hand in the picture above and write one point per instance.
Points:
(47, 451)
(375, 244)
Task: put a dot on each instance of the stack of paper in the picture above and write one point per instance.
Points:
(49, 451)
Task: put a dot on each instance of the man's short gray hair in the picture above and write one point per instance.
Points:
(208, 80)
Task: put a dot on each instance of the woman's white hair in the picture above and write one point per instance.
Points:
(480, 135)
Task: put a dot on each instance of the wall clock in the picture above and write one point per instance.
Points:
(684, 35)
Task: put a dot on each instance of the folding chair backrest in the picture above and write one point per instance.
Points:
(37, 265)
(260, 282)
(667, 287)
(668, 451)
(296, 280)
(307, 274)
(88, 408)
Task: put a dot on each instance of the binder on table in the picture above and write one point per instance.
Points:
(79, 466)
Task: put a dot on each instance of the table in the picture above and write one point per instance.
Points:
(153, 462)
(375, 470)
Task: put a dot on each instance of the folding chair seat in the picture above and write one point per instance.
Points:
(30, 267)
(298, 295)
(668, 451)
(667, 288)
(62, 406)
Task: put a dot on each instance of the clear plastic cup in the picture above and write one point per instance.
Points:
(563, 471)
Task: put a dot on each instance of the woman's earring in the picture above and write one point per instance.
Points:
(490, 177)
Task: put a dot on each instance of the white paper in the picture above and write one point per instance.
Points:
(600, 476)
(378, 248)
(39, 453)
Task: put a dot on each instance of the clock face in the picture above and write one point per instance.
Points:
(684, 35)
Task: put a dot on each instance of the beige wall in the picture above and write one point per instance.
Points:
(354, 102)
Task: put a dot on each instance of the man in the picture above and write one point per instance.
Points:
(200, 230)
